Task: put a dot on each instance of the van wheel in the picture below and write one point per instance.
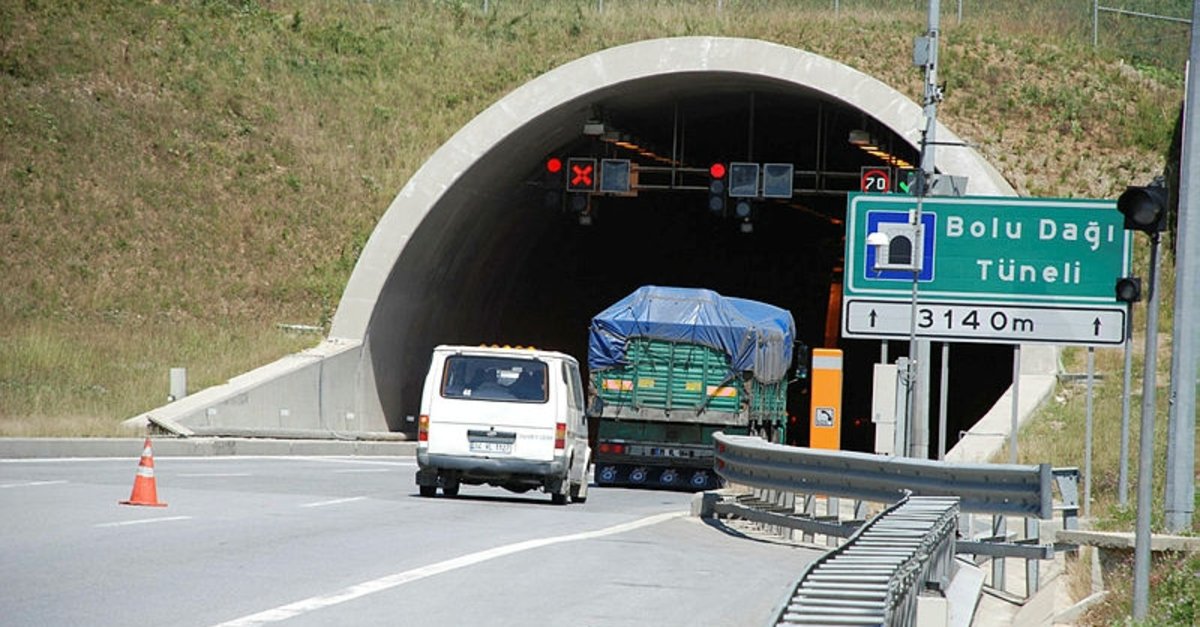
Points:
(558, 498)
(450, 487)
(428, 491)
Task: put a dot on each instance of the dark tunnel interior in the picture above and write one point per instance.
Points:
(495, 263)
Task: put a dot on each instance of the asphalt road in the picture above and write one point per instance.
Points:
(346, 541)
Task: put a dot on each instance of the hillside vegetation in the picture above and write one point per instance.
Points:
(180, 178)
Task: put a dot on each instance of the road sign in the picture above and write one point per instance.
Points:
(992, 323)
(614, 176)
(1043, 270)
(778, 179)
(877, 179)
(743, 180)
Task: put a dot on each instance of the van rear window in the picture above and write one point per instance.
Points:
(478, 377)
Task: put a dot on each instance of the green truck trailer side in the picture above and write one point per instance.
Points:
(652, 420)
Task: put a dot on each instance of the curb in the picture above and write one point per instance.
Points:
(54, 448)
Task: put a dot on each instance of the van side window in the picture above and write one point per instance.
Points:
(576, 387)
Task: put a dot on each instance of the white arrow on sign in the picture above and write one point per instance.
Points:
(973, 322)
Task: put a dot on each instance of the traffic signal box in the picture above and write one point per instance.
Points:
(1144, 208)
(581, 174)
(825, 414)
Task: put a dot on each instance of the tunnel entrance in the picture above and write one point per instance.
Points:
(493, 262)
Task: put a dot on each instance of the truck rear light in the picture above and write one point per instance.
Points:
(560, 435)
(618, 448)
(423, 429)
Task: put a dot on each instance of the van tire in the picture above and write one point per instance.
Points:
(558, 498)
(450, 487)
(428, 491)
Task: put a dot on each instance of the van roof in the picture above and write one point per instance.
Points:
(515, 351)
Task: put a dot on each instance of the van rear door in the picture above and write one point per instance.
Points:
(493, 405)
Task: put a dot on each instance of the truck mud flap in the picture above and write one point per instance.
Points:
(656, 477)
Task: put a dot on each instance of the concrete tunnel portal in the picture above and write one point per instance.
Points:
(471, 251)
(493, 262)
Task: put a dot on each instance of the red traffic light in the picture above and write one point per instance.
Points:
(717, 170)
(554, 165)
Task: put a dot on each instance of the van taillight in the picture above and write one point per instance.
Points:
(560, 435)
(423, 429)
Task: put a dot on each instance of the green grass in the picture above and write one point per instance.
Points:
(179, 177)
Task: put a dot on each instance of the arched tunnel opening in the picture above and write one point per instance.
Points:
(493, 262)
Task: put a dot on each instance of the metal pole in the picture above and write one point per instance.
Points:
(1141, 547)
(918, 352)
(1087, 437)
(1185, 357)
(943, 400)
(1123, 479)
(1095, 22)
(960, 12)
(1016, 398)
(883, 352)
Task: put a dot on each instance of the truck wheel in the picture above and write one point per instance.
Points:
(450, 487)
(558, 498)
(428, 491)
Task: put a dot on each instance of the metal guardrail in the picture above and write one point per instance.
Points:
(876, 577)
(1002, 489)
(783, 477)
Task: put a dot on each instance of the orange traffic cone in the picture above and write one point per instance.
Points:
(144, 490)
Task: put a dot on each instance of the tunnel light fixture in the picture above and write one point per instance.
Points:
(868, 144)
(859, 137)
(628, 143)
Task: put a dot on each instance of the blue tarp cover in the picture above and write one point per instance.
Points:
(757, 337)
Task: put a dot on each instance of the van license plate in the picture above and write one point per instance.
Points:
(491, 447)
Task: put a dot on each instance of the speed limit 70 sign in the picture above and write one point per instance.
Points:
(876, 179)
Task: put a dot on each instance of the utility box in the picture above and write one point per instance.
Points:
(884, 389)
(825, 420)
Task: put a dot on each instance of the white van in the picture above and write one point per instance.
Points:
(508, 417)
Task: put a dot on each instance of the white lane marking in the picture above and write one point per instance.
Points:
(143, 521)
(26, 484)
(356, 470)
(214, 474)
(334, 502)
(291, 610)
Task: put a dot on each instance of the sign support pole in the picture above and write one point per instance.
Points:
(1123, 477)
(1180, 497)
(918, 351)
(1141, 536)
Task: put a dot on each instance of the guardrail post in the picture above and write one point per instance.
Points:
(810, 510)
(1032, 583)
(832, 508)
(999, 529)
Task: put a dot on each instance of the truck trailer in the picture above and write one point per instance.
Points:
(670, 366)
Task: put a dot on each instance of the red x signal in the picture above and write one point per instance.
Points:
(583, 177)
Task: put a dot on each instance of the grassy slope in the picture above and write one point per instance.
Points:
(179, 177)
